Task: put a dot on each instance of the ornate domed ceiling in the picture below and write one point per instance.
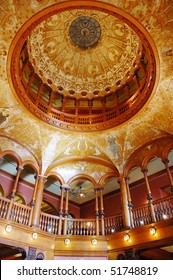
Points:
(83, 68)
(83, 71)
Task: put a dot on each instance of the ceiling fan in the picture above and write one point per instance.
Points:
(82, 189)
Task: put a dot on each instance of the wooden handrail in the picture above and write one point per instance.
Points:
(20, 213)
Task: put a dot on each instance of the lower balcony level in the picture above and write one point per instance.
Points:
(61, 237)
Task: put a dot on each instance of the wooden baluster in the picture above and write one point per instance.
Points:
(26, 217)
(22, 216)
(106, 226)
(20, 212)
(44, 224)
(78, 227)
(55, 225)
(75, 228)
(1, 208)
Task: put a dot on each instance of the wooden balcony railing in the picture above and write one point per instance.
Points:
(163, 208)
(81, 226)
(141, 215)
(19, 213)
(49, 223)
(4, 206)
(113, 224)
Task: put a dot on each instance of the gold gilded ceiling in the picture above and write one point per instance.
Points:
(57, 59)
(48, 143)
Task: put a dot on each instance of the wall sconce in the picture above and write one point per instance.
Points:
(67, 241)
(8, 228)
(94, 242)
(152, 230)
(34, 235)
(126, 237)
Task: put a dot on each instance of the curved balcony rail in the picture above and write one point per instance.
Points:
(113, 224)
(59, 225)
(141, 215)
(81, 226)
(163, 208)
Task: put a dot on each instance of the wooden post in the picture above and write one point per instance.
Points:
(67, 189)
(130, 205)
(61, 211)
(19, 169)
(38, 201)
(124, 200)
(102, 212)
(166, 163)
(149, 196)
(97, 212)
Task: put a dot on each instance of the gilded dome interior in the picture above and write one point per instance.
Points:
(55, 58)
(83, 69)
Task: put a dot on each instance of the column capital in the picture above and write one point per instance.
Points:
(19, 168)
(165, 161)
(144, 171)
(12, 195)
(149, 197)
(65, 187)
(121, 179)
(97, 188)
(127, 179)
(42, 178)
(32, 203)
(130, 205)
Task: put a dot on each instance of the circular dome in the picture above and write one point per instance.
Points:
(82, 67)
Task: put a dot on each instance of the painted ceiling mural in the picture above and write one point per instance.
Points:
(116, 144)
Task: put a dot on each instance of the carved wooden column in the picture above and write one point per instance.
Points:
(102, 214)
(61, 211)
(166, 163)
(13, 193)
(149, 196)
(38, 200)
(124, 200)
(130, 205)
(32, 203)
(35, 190)
(67, 189)
(19, 169)
(97, 211)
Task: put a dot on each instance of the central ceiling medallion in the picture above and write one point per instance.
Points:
(85, 32)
